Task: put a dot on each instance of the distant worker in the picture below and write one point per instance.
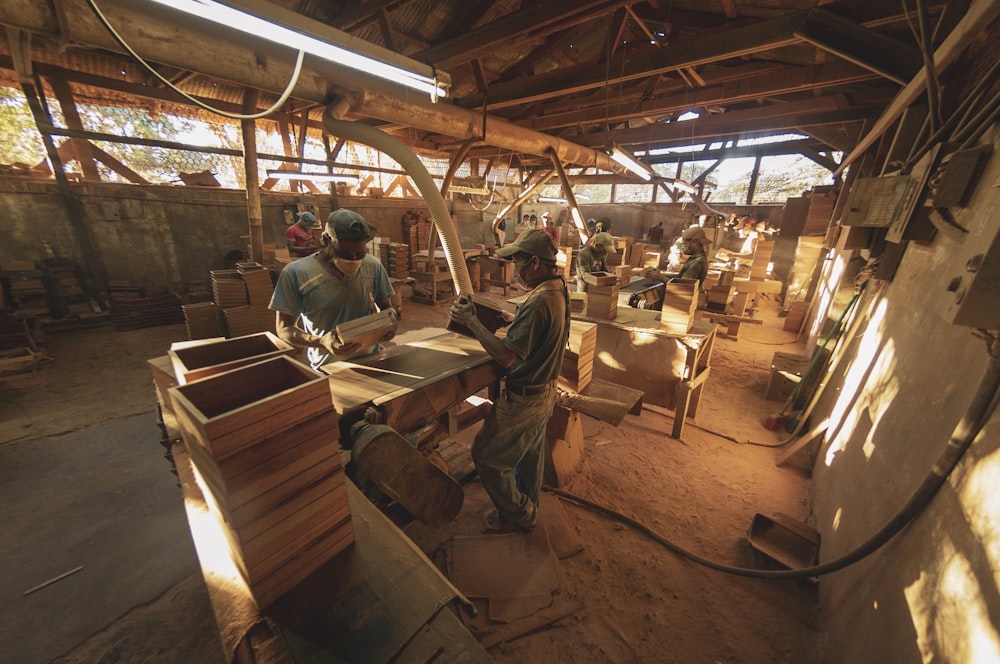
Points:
(655, 234)
(593, 258)
(603, 225)
(509, 450)
(338, 284)
(694, 244)
(300, 237)
(549, 227)
(501, 232)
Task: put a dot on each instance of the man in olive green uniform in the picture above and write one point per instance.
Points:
(509, 450)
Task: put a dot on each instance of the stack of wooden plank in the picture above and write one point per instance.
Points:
(761, 260)
(367, 330)
(577, 303)
(820, 213)
(807, 255)
(578, 360)
(201, 320)
(228, 288)
(120, 289)
(680, 300)
(260, 288)
(263, 444)
(70, 298)
(27, 288)
(602, 301)
(136, 313)
(240, 321)
(395, 257)
(203, 358)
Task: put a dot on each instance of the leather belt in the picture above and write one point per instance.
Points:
(529, 390)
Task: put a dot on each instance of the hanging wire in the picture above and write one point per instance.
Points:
(234, 116)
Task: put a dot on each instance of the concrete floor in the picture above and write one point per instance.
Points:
(102, 498)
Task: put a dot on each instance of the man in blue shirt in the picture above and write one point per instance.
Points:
(338, 284)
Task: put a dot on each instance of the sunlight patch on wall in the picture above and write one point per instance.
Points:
(829, 282)
(608, 360)
(880, 393)
(868, 347)
(949, 615)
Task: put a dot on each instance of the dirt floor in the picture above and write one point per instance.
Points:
(634, 600)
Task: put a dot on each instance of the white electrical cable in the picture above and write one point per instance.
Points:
(234, 116)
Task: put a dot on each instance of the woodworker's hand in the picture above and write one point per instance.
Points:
(395, 327)
(332, 344)
(463, 312)
(505, 318)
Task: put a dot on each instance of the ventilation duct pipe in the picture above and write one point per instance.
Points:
(440, 216)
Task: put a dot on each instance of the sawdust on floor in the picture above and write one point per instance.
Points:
(638, 602)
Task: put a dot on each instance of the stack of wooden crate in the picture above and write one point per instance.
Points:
(27, 288)
(228, 289)
(602, 301)
(395, 257)
(680, 300)
(578, 360)
(263, 444)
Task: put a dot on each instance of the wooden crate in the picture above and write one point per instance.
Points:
(196, 360)
(163, 380)
(680, 300)
(231, 411)
(602, 301)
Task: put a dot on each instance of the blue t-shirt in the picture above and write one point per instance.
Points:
(308, 290)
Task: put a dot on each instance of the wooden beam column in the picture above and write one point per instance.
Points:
(581, 227)
(254, 214)
(20, 46)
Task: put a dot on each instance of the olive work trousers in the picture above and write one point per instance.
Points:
(509, 453)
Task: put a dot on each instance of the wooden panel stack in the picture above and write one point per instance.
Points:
(578, 360)
(602, 301)
(193, 361)
(240, 321)
(228, 289)
(368, 330)
(27, 289)
(263, 444)
(680, 300)
(761, 259)
(577, 303)
(259, 289)
(395, 257)
(135, 313)
(796, 314)
(202, 320)
(820, 213)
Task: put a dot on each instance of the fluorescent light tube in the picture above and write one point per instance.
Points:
(295, 39)
(551, 199)
(318, 177)
(630, 163)
(459, 189)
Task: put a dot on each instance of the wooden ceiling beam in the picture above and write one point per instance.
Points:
(786, 81)
(534, 20)
(763, 150)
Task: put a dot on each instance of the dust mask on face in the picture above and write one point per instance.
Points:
(347, 267)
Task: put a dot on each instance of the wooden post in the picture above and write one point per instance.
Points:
(254, 214)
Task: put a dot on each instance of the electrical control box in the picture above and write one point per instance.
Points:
(971, 281)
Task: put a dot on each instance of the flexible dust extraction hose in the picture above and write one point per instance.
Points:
(982, 406)
(441, 218)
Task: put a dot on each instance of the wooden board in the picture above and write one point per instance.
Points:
(413, 383)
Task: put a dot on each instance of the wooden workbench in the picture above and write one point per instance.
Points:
(413, 383)
(380, 600)
(671, 369)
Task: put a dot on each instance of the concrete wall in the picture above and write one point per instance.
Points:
(931, 594)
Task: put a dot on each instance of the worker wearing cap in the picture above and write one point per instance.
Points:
(695, 244)
(509, 450)
(549, 226)
(593, 258)
(300, 237)
(338, 284)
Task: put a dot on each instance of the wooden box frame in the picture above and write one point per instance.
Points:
(208, 357)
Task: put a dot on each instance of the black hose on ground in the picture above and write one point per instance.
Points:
(981, 407)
